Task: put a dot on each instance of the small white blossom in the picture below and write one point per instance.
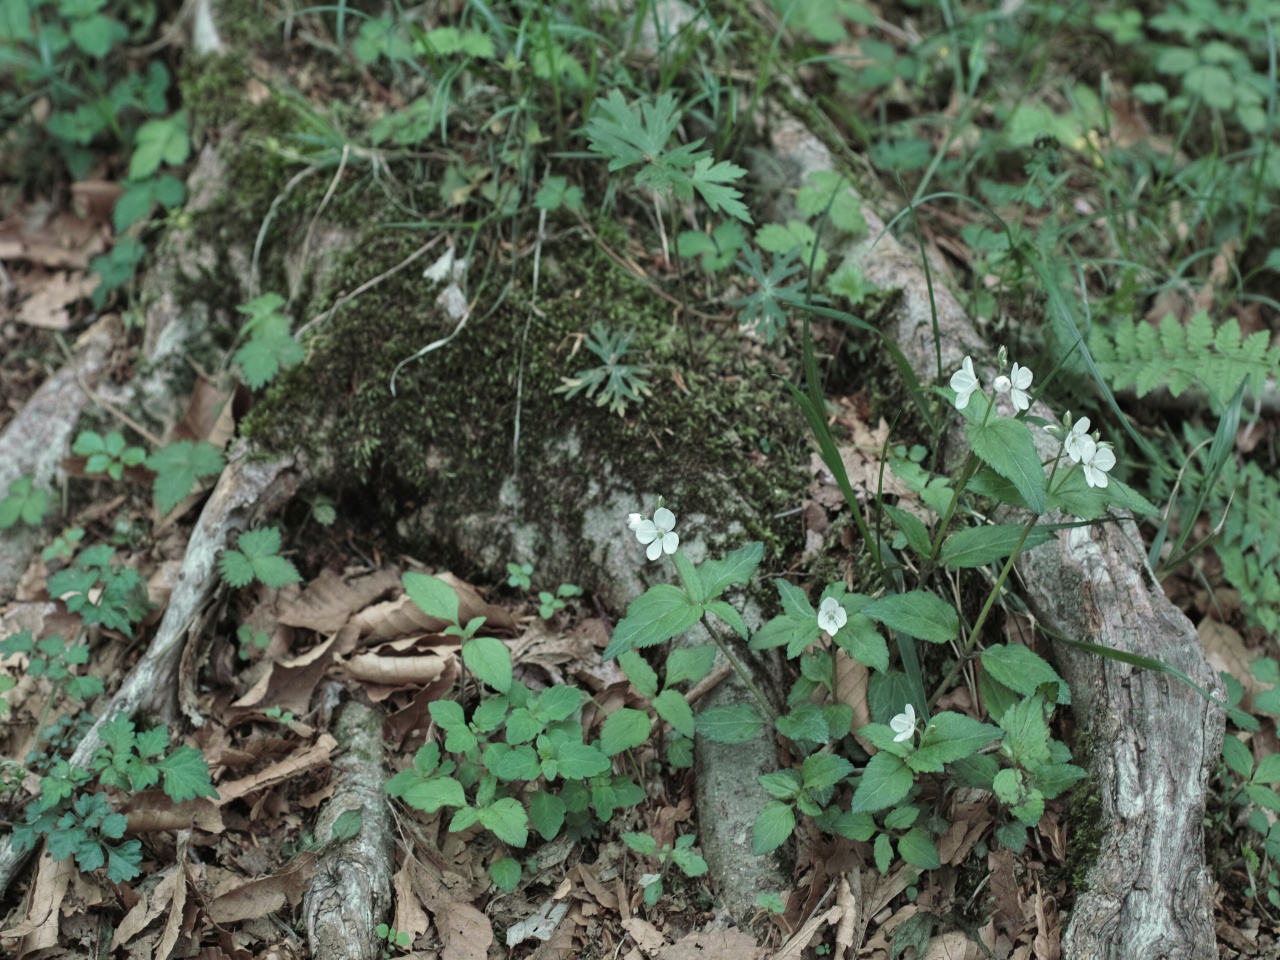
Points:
(964, 382)
(634, 520)
(1074, 443)
(904, 724)
(832, 616)
(658, 533)
(1016, 385)
(1097, 460)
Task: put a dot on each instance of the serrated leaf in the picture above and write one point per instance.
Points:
(505, 873)
(624, 729)
(917, 613)
(918, 849)
(641, 843)
(732, 724)
(275, 571)
(186, 775)
(642, 676)
(432, 596)
(729, 615)
(822, 770)
(1022, 670)
(1007, 447)
(1238, 757)
(490, 660)
(236, 568)
(885, 781)
(177, 468)
(547, 811)
(430, 795)
(950, 737)
(883, 851)
(736, 568)
(674, 709)
(507, 821)
(559, 702)
(773, 825)
(781, 785)
(1268, 770)
(689, 663)
(913, 529)
(978, 546)
(660, 613)
(805, 722)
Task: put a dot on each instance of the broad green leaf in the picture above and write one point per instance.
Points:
(546, 811)
(689, 577)
(885, 781)
(432, 595)
(737, 568)
(912, 527)
(624, 729)
(774, 824)
(1022, 670)
(660, 613)
(950, 737)
(430, 795)
(978, 546)
(507, 821)
(1054, 778)
(674, 709)
(177, 468)
(690, 663)
(918, 849)
(1027, 732)
(157, 142)
(559, 702)
(782, 784)
(883, 851)
(578, 761)
(1239, 757)
(804, 722)
(794, 601)
(642, 676)
(1268, 769)
(917, 613)
(641, 843)
(186, 775)
(1007, 447)
(733, 724)
(689, 862)
(822, 770)
(505, 873)
(861, 639)
(490, 660)
(729, 615)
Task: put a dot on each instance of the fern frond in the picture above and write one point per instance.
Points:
(1147, 357)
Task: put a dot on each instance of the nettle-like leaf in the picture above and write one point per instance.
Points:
(271, 347)
(177, 468)
(257, 558)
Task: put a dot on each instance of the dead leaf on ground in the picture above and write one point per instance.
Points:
(265, 895)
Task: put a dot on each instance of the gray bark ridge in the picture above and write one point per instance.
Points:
(1155, 741)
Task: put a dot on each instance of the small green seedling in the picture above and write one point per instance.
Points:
(551, 604)
(64, 546)
(251, 640)
(394, 938)
(109, 454)
(613, 384)
(279, 715)
(53, 658)
(24, 502)
(520, 575)
(270, 347)
(682, 855)
(258, 559)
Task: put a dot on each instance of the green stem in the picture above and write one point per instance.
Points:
(976, 630)
(742, 673)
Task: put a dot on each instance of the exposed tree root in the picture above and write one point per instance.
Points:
(1154, 741)
(351, 890)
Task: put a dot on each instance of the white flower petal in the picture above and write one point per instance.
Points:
(670, 542)
(664, 519)
(634, 520)
(904, 724)
(647, 532)
(1021, 377)
(654, 550)
(832, 616)
(1002, 385)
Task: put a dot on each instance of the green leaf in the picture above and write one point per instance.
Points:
(547, 811)
(186, 775)
(729, 615)
(578, 761)
(559, 702)
(689, 577)
(947, 738)
(689, 862)
(861, 639)
(822, 770)
(782, 784)
(177, 468)
(505, 873)
(918, 849)
(885, 781)
(432, 595)
(732, 724)
(641, 843)
(978, 546)
(430, 795)
(690, 663)
(773, 825)
(912, 527)
(1268, 769)
(804, 722)
(1022, 670)
(918, 614)
(1007, 447)
(883, 851)
(1239, 758)
(642, 676)
(1052, 779)
(674, 709)
(1027, 732)
(660, 613)
(506, 819)
(624, 729)
(157, 142)
(123, 862)
(490, 660)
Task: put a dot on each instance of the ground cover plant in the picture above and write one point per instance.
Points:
(542, 685)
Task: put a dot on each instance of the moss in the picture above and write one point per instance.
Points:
(441, 448)
(1088, 829)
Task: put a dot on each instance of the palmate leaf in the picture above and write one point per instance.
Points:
(177, 468)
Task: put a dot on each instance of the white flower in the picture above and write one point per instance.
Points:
(1097, 460)
(832, 616)
(658, 533)
(964, 382)
(1016, 385)
(1074, 443)
(634, 520)
(904, 724)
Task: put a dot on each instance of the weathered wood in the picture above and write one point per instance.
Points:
(350, 893)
